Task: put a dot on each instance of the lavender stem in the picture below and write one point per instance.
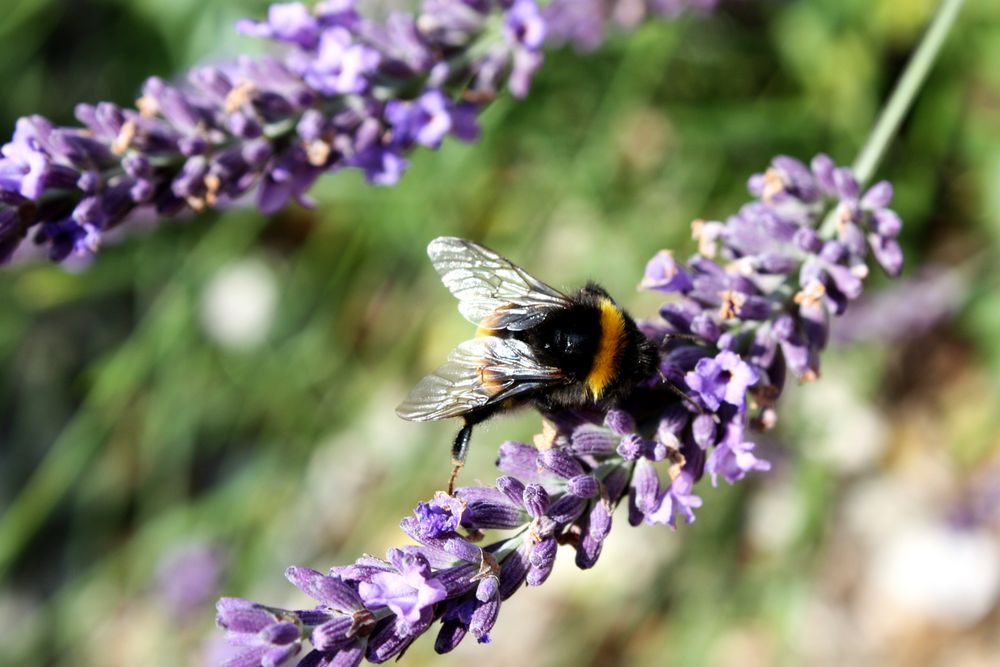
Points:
(905, 92)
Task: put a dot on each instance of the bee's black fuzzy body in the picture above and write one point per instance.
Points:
(534, 345)
(596, 345)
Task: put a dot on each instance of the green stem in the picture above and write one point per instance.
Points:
(906, 90)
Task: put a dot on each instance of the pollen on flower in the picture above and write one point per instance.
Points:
(547, 438)
(148, 106)
(212, 186)
(706, 236)
(732, 304)
(124, 138)
(766, 420)
(677, 462)
(811, 295)
(318, 152)
(242, 93)
(844, 216)
(773, 184)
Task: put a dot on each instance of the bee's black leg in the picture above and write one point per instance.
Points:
(458, 451)
(680, 392)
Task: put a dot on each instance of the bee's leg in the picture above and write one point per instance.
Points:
(458, 451)
(691, 337)
(680, 392)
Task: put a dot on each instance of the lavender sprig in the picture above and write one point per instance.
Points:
(346, 92)
(755, 301)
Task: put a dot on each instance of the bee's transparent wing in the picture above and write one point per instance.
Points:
(492, 291)
(480, 372)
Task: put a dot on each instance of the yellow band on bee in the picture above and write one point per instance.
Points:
(612, 338)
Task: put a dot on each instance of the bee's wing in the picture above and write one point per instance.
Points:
(479, 372)
(492, 291)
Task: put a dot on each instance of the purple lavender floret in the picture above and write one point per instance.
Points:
(724, 378)
(752, 305)
(442, 515)
(409, 592)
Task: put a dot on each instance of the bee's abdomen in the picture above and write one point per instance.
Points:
(568, 339)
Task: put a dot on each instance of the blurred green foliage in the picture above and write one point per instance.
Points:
(127, 430)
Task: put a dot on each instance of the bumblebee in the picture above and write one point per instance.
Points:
(534, 345)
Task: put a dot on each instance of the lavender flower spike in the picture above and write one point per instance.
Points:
(715, 384)
(346, 92)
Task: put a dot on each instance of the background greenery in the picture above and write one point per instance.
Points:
(134, 434)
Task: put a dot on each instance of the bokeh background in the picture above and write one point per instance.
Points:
(212, 399)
